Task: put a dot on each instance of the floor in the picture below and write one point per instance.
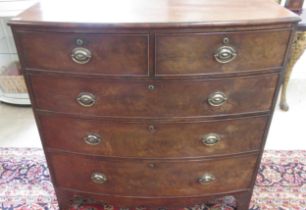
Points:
(18, 129)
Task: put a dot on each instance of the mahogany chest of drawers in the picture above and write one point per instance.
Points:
(153, 103)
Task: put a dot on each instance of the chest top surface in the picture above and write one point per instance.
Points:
(154, 14)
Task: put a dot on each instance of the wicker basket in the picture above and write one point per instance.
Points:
(12, 84)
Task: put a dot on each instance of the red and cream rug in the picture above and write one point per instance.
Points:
(25, 183)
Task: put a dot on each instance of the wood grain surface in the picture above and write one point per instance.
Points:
(166, 140)
(152, 177)
(172, 98)
(157, 13)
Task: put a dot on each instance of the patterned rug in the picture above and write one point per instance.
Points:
(25, 183)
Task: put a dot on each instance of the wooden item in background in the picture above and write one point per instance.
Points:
(295, 5)
(298, 48)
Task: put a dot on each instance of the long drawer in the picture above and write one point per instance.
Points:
(215, 53)
(91, 199)
(151, 98)
(152, 139)
(152, 177)
(85, 53)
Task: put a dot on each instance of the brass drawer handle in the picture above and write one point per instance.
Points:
(206, 178)
(92, 139)
(86, 99)
(225, 54)
(217, 98)
(81, 55)
(98, 178)
(211, 139)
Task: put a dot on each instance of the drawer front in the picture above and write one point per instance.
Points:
(66, 197)
(171, 98)
(189, 54)
(109, 54)
(155, 140)
(152, 177)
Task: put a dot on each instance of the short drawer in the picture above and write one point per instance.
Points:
(152, 139)
(205, 53)
(152, 177)
(84, 53)
(152, 98)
